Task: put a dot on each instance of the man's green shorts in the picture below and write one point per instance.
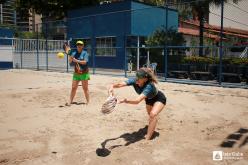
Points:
(80, 77)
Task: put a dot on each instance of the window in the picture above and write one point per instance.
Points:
(105, 46)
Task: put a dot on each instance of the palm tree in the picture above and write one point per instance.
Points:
(200, 10)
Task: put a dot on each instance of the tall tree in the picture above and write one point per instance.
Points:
(161, 36)
(200, 10)
(53, 8)
(158, 38)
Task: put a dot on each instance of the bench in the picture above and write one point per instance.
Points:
(178, 74)
(231, 77)
(201, 76)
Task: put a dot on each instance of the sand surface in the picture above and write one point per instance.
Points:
(36, 128)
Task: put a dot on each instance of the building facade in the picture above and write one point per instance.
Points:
(109, 29)
(235, 15)
(8, 13)
(23, 20)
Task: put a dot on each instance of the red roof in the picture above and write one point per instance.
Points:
(194, 32)
(212, 28)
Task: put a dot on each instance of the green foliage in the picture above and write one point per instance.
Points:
(210, 60)
(198, 60)
(8, 26)
(53, 8)
(156, 56)
(185, 14)
(28, 35)
(161, 37)
(240, 61)
(200, 9)
(233, 40)
(234, 61)
(193, 41)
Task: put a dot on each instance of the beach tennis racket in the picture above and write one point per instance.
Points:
(109, 105)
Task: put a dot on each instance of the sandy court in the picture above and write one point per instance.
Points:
(36, 127)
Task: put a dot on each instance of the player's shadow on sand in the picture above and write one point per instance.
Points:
(235, 137)
(73, 103)
(128, 137)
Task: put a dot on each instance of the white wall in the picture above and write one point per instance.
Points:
(232, 13)
(6, 53)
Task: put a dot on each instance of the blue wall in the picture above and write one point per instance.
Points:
(145, 19)
(6, 65)
(133, 18)
(118, 20)
(99, 19)
(6, 33)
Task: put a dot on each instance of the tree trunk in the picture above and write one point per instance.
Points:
(201, 29)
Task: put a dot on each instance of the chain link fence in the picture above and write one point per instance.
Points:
(170, 39)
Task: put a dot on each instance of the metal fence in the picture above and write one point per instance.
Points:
(183, 64)
(199, 52)
(38, 54)
(171, 63)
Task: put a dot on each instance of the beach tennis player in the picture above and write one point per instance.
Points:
(144, 85)
(79, 59)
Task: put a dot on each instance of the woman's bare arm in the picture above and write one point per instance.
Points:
(116, 85)
(134, 101)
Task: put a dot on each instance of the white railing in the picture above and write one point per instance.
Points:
(31, 45)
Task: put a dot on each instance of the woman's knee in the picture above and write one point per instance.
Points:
(85, 88)
(74, 87)
(153, 115)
